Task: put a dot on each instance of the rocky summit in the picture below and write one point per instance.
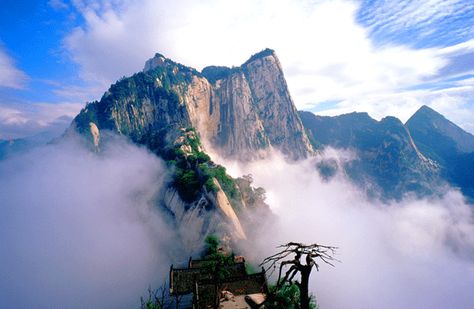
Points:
(244, 112)
(241, 111)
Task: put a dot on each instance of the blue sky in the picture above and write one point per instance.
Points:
(383, 57)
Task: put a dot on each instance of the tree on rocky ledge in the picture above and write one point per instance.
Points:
(311, 253)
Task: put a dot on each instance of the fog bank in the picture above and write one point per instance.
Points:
(409, 254)
(79, 229)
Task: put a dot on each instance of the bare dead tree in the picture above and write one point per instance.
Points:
(312, 253)
(156, 298)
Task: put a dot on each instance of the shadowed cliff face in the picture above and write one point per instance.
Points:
(387, 159)
(446, 143)
(241, 112)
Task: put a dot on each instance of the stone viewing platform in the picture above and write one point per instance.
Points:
(214, 286)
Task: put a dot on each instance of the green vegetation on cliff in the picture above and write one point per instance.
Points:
(194, 170)
(287, 296)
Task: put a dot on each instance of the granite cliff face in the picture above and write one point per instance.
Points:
(241, 112)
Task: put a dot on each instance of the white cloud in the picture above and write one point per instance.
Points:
(79, 229)
(21, 119)
(390, 16)
(455, 103)
(325, 53)
(409, 254)
(58, 4)
(11, 76)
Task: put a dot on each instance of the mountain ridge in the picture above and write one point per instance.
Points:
(244, 112)
(387, 158)
(170, 108)
(240, 112)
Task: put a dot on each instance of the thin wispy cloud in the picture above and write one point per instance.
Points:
(58, 4)
(329, 50)
(336, 55)
(419, 19)
(18, 120)
(10, 76)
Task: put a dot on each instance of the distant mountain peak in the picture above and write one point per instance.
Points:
(428, 111)
(446, 143)
(426, 108)
(387, 159)
(432, 129)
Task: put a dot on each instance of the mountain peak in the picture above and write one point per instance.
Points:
(160, 61)
(242, 111)
(157, 61)
(262, 54)
(214, 73)
(431, 129)
(426, 108)
(428, 111)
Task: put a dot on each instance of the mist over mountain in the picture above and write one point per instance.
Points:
(170, 155)
(80, 229)
(386, 157)
(245, 113)
(14, 146)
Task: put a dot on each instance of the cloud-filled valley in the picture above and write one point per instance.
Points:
(339, 122)
(79, 229)
(415, 253)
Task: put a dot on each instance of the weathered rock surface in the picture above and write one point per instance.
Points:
(253, 110)
(241, 112)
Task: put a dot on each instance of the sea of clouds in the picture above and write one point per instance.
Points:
(414, 253)
(80, 229)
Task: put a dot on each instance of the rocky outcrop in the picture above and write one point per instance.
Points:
(226, 208)
(241, 111)
(255, 110)
(95, 134)
(193, 221)
(275, 107)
